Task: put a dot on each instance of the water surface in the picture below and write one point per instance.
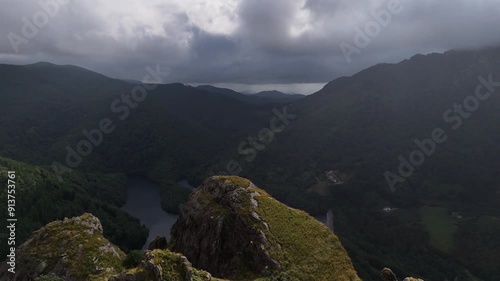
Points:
(143, 202)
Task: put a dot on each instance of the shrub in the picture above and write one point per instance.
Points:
(133, 259)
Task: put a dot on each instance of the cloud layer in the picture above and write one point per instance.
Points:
(239, 41)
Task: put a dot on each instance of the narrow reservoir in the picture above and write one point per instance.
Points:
(143, 202)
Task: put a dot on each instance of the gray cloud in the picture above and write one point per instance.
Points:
(242, 41)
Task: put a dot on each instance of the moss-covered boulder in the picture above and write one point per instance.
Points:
(235, 230)
(74, 249)
(163, 265)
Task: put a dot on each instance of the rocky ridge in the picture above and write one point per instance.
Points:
(235, 230)
(228, 227)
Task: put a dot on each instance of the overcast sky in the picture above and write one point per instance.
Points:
(291, 45)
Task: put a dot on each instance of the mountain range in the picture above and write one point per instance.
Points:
(412, 145)
(257, 98)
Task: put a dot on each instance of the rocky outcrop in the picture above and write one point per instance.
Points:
(235, 230)
(215, 232)
(388, 275)
(74, 249)
(160, 242)
(229, 228)
(159, 265)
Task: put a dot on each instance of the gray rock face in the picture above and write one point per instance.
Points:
(217, 229)
(158, 243)
(87, 220)
(109, 249)
(388, 275)
(40, 267)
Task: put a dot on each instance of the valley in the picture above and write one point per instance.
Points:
(250, 140)
(181, 135)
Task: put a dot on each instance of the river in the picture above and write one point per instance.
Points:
(143, 202)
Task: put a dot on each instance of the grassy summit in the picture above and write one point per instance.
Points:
(309, 250)
(231, 227)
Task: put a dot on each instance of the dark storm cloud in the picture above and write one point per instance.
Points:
(246, 41)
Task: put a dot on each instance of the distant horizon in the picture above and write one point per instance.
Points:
(234, 43)
(240, 88)
(289, 88)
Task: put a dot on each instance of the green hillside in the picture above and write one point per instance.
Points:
(42, 198)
